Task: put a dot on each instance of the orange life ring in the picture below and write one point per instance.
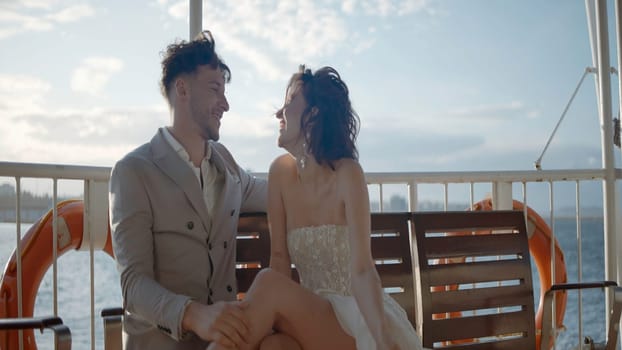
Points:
(36, 246)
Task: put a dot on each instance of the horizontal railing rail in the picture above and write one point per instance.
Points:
(77, 172)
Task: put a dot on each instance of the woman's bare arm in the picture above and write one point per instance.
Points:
(279, 255)
(366, 286)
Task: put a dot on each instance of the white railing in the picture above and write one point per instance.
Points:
(547, 191)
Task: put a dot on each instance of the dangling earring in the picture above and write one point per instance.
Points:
(303, 159)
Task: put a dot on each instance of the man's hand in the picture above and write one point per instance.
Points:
(222, 322)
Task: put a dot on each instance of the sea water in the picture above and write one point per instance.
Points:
(74, 286)
(73, 291)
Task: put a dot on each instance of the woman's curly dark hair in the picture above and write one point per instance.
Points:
(184, 57)
(330, 133)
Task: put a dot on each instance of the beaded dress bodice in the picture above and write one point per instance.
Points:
(322, 257)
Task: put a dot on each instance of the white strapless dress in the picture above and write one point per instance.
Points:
(322, 257)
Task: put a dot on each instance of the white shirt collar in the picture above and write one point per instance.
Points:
(180, 149)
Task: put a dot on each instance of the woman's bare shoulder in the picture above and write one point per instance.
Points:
(347, 167)
(283, 164)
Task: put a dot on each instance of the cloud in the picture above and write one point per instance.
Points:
(291, 32)
(385, 8)
(410, 6)
(253, 127)
(94, 73)
(262, 62)
(348, 6)
(21, 94)
(12, 23)
(389, 148)
(295, 29)
(37, 4)
(363, 44)
(469, 137)
(38, 15)
(97, 136)
(33, 132)
(72, 14)
(491, 111)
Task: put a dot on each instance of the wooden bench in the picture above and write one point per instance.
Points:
(393, 237)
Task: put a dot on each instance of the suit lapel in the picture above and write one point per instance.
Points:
(223, 171)
(173, 166)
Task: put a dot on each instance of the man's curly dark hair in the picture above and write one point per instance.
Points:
(184, 57)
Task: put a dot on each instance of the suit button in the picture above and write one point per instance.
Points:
(232, 212)
(190, 225)
(229, 289)
(225, 244)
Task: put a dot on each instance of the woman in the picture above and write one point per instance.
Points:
(318, 209)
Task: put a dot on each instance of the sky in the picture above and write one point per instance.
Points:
(439, 85)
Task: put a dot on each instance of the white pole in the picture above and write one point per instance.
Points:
(618, 18)
(195, 12)
(590, 10)
(606, 124)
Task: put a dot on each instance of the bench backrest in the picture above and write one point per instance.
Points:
(390, 245)
(493, 307)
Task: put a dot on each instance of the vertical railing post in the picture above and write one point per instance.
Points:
(552, 252)
(55, 245)
(18, 255)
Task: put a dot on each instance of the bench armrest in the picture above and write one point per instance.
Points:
(113, 328)
(612, 334)
(62, 334)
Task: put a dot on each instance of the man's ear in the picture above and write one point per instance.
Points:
(181, 87)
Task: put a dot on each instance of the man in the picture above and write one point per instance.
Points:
(174, 208)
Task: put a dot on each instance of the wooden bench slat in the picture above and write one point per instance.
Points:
(472, 246)
(475, 220)
(390, 247)
(480, 298)
(475, 272)
(478, 326)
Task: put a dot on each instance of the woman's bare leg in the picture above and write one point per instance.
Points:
(279, 341)
(276, 302)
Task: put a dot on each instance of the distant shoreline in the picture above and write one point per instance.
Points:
(13, 222)
(561, 217)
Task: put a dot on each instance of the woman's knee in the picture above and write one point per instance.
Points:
(269, 278)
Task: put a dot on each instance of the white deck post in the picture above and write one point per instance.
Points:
(195, 13)
(502, 195)
(606, 124)
(618, 207)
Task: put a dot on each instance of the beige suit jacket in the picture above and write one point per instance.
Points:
(168, 249)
